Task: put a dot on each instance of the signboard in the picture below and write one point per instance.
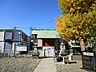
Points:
(89, 61)
(88, 54)
(49, 51)
(21, 48)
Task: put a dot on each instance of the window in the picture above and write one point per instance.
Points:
(8, 47)
(8, 35)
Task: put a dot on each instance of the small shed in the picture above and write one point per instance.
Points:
(47, 42)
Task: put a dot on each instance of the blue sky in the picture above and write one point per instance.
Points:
(24, 14)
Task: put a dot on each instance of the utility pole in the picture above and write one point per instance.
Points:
(30, 30)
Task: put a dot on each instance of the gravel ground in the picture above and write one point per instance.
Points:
(18, 64)
(75, 67)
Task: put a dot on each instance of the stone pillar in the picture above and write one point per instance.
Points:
(70, 55)
(35, 48)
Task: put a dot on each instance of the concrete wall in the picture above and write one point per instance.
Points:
(47, 51)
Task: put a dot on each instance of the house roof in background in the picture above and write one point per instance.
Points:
(41, 33)
(9, 30)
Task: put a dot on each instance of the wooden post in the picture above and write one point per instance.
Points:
(14, 49)
(8, 54)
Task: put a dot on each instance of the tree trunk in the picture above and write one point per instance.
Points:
(83, 45)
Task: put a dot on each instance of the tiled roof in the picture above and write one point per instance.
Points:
(46, 33)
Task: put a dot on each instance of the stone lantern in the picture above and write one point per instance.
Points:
(62, 51)
(35, 54)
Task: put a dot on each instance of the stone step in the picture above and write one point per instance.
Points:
(77, 57)
(30, 52)
(24, 55)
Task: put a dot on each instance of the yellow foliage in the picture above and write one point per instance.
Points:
(78, 19)
(78, 5)
(75, 26)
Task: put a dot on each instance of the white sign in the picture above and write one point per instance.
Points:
(49, 51)
(21, 48)
(39, 42)
(88, 54)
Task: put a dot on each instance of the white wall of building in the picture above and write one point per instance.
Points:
(39, 43)
(1, 35)
(1, 47)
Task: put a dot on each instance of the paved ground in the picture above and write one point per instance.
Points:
(34, 65)
(18, 64)
(74, 67)
(46, 65)
(1, 56)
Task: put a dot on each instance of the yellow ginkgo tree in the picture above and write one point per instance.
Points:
(78, 20)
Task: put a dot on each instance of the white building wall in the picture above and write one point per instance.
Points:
(14, 46)
(1, 47)
(39, 43)
(2, 35)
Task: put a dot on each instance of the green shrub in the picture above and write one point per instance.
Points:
(94, 49)
(3, 53)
